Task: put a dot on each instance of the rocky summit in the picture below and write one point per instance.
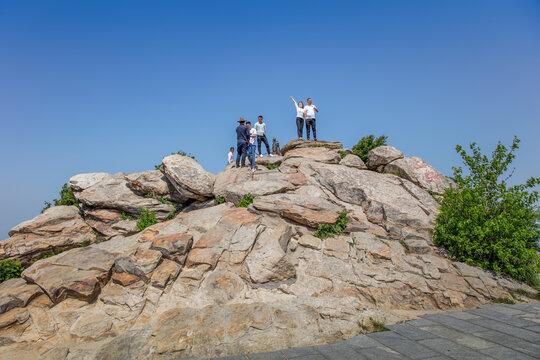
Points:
(214, 280)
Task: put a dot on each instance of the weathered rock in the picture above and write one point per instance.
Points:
(110, 222)
(127, 346)
(419, 172)
(91, 326)
(187, 174)
(114, 192)
(57, 229)
(320, 154)
(269, 160)
(84, 181)
(268, 261)
(155, 183)
(174, 247)
(167, 271)
(353, 161)
(79, 273)
(299, 143)
(418, 246)
(17, 293)
(140, 264)
(310, 241)
(383, 155)
(56, 353)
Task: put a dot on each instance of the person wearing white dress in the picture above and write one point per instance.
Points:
(299, 117)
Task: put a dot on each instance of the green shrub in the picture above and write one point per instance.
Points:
(366, 144)
(171, 214)
(315, 145)
(246, 200)
(219, 200)
(149, 196)
(486, 223)
(147, 218)
(10, 269)
(330, 230)
(126, 216)
(272, 166)
(164, 201)
(49, 254)
(342, 153)
(66, 198)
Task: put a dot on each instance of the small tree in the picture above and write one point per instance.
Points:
(66, 198)
(485, 222)
(365, 145)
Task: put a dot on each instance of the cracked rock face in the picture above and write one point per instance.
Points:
(219, 280)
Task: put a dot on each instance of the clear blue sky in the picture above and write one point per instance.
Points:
(91, 86)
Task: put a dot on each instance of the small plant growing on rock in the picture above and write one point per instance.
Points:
(171, 214)
(366, 144)
(99, 238)
(164, 201)
(85, 243)
(342, 153)
(486, 223)
(330, 230)
(504, 300)
(245, 201)
(378, 325)
(147, 218)
(219, 200)
(10, 269)
(272, 166)
(149, 196)
(315, 145)
(66, 198)
(126, 216)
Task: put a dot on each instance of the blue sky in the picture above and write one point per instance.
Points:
(91, 86)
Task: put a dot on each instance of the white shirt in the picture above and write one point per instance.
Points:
(252, 139)
(310, 111)
(299, 111)
(260, 128)
(230, 158)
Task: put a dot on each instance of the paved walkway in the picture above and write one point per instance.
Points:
(506, 332)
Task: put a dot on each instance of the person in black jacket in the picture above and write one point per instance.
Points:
(242, 139)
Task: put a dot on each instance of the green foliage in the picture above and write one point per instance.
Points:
(366, 144)
(219, 200)
(147, 218)
(171, 214)
(85, 243)
(342, 153)
(164, 201)
(149, 196)
(246, 201)
(10, 269)
(272, 166)
(485, 222)
(407, 250)
(49, 254)
(99, 238)
(378, 325)
(504, 300)
(66, 198)
(330, 230)
(127, 216)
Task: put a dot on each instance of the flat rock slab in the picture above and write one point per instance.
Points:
(17, 293)
(299, 143)
(320, 154)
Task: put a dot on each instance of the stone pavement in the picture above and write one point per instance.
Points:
(492, 332)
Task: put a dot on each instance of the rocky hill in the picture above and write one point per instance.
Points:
(213, 280)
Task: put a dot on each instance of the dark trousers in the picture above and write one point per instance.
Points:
(241, 152)
(262, 138)
(300, 126)
(311, 123)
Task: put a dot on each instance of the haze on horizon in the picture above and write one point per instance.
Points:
(114, 86)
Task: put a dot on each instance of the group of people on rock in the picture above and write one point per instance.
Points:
(248, 137)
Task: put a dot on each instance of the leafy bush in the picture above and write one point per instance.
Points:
(330, 230)
(126, 216)
(10, 269)
(171, 214)
(486, 223)
(246, 200)
(342, 153)
(147, 218)
(272, 166)
(66, 198)
(366, 144)
(149, 196)
(164, 201)
(219, 200)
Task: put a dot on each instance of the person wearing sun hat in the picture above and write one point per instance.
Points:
(242, 139)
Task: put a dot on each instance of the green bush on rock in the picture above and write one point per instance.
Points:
(329, 230)
(245, 201)
(366, 144)
(10, 269)
(485, 222)
(147, 218)
(66, 198)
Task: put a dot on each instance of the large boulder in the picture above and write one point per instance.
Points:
(114, 192)
(17, 293)
(419, 172)
(110, 222)
(155, 183)
(82, 182)
(317, 153)
(187, 174)
(269, 160)
(383, 155)
(299, 143)
(59, 228)
(354, 161)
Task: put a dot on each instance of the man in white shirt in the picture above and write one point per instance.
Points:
(309, 112)
(260, 127)
(251, 146)
(230, 156)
